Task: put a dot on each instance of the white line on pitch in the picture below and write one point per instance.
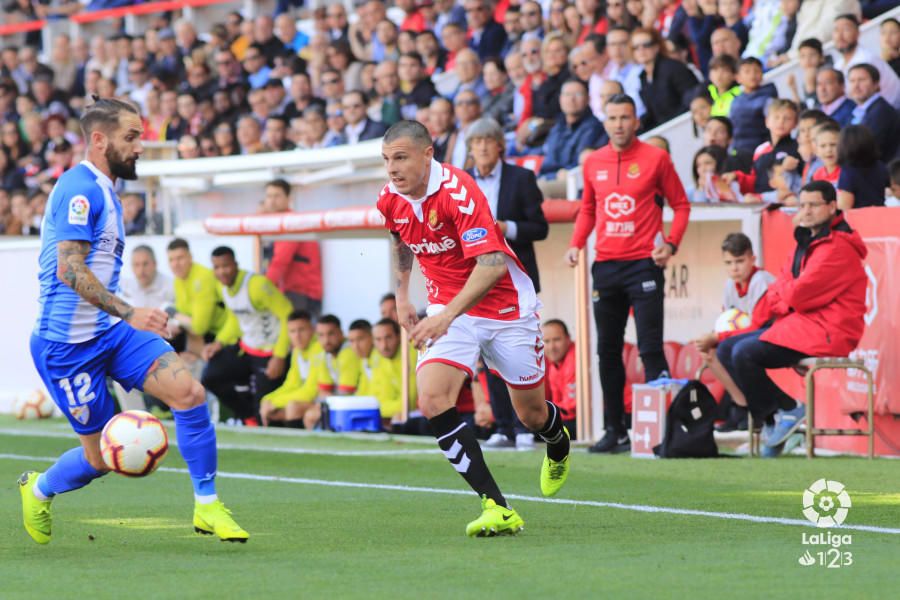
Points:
(251, 448)
(644, 508)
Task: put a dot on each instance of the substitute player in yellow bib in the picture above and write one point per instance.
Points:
(199, 308)
(286, 404)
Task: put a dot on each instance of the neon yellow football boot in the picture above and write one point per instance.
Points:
(35, 513)
(214, 518)
(495, 520)
(553, 473)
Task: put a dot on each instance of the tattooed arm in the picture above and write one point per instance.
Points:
(403, 261)
(72, 270)
(489, 269)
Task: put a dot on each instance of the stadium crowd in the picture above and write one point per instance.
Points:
(542, 70)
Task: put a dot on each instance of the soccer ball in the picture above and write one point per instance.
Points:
(134, 443)
(36, 405)
(732, 319)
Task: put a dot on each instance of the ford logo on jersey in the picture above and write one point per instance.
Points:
(473, 235)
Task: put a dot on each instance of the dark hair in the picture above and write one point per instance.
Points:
(220, 251)
(104, 114)
(823, 187)
(751, 60)
(848, 17)
(144, 248)
(622, 99)
(857, 147)
(329, 320)
(394, 325)
(598, 40)
(300, 315)
(497, 62)
(813, 43)
(576, 81)
(890, 20)
(559, 323)
(737, 244)
(894, 170)
(361, 325)
(719, 154)
(362, 96)
(413, 130)
(281, 184)
(872, 71)
(829, 125)
(813, 113)
(725, 61)
(178, 244)
(729, 126)
(388, 296)
(415, 56)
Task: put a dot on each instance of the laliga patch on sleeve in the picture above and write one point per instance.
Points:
(473, 235)
(79, 208)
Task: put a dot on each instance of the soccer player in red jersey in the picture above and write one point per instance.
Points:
(481, 302)
(622, 182)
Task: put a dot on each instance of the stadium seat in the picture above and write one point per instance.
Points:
(531, 161)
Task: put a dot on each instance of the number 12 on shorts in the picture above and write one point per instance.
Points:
(83, 383)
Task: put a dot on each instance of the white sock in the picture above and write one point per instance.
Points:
(204, 499)
(38, 493)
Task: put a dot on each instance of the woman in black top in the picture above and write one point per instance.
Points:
(666, 84)
(863, 176)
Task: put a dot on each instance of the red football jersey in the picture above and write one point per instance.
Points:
(446, 230)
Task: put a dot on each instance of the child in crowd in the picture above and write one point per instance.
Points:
(709, 164)
(748, 110)
(811, 57)
(825, 142)
(730, 11)
(808, 119)
(894, 170)
(745, 286)
(701, 109)
(723, 87)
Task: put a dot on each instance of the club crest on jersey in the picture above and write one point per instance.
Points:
(79, 207)
(473, 235)
(433, 220)
(618, 205)
(82, 413)
(634, 171)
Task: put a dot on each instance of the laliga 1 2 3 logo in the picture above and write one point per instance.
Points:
(826, 503)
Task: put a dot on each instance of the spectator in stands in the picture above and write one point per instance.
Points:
(725, 41)
(188, 147)
(486, 36)
(315, 131)
(467, 109)
(285, 405)
(286, 31)
(592, 61)
(276, 129)
(702, 19)
(817, 304)
(334, 371)
(748, 110)
(294, 266)
(334, 115)
(811, 59)
(554, 65)
(453, 38)
(764, 22)
(531, 20)
(723, 87)
(258, 72)
(265, 40)
(189, 118)
(848, 53)
(11, 176)
(416, 88)
(228, 69)
(199, 81)
(512, 25)
(701, 111)
(338, 25)
(359, 127)
(64, 62)
(709, 165)
(498, 104)
(806, 121)
(817, 19)
(863, 177)
(433, 56)
(386, 106)
(825, 143)
(467, 72)
(208, 147)
(249, 136)
(386, 35)
(168, 57)
(561, 367)
(574, 130)
(276, 99)
(442, 127)
(873, 110)
(225, 139)
(894, 170)
(665, 82)
(301, 96)
(831, 97)
(777, 51)
(890, 43)
(781, 118)
(5, 213)
(139, 84)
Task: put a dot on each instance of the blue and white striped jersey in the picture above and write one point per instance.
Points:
(82, 206)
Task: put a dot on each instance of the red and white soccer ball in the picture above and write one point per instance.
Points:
(134, 443)
(36, 405)
(732, 319)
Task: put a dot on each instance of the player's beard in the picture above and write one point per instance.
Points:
(121, 166)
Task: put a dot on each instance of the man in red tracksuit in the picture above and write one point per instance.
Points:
(559, 349)
(622, 182)
(815, 308)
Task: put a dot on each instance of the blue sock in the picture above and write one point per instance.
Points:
(197, 443)
(70, 472)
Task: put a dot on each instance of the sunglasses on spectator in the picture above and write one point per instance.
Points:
(644, 45)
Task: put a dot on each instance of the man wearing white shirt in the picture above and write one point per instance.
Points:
(621, 68)
(849, 53)
(515, 201)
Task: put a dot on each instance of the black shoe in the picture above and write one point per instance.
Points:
(612, 442)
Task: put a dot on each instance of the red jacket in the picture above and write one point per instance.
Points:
(297, 267)
(619, 200)
(561, 382)
(819, 300)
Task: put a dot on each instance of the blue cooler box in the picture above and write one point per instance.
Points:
(354, 413)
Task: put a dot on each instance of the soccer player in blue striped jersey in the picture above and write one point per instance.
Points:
(85, 333)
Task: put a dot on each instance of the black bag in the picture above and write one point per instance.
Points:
(689, 424)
